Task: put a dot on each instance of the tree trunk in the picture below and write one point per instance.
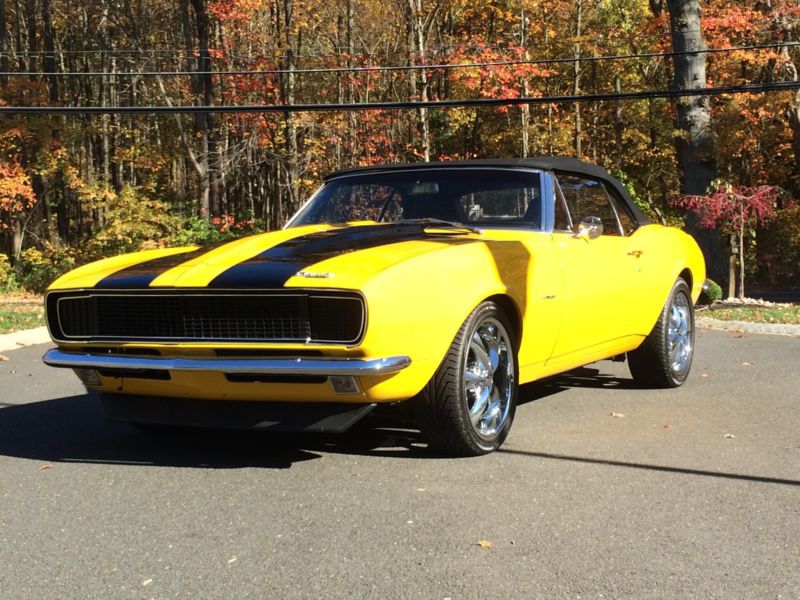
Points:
(794, 121)
(546, 28)
(3, 44)
(695, 146)
(49, 61)
(419, 28)
(105, 131)
(741, 253)
(50, 66)
(525, 109)
(593, 137)
(33, 38)
(352, 118)
(794, 117)
(16, 240)
(18, 37)
(206, 120)
(619, 122)
(198, 161)
(576, 77)
(290, 125)
(116, 138)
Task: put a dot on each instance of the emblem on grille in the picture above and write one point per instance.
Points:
(311, 275)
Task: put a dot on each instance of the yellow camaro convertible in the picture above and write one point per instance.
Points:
(441, 284)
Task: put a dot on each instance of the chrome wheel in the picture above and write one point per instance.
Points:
(468, 406)
(489, 378)
(665, 357)
(679, 333)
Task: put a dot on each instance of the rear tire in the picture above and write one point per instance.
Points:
(468, 406)
(665, 357)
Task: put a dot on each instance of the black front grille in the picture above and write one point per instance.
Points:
(203, 316)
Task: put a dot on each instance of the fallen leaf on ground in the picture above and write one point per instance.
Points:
(703, 374)
(232, 560)
(43, 467)
(747, 363)
(667, 426)
(617, 415)
(3, 357)
(13, 372)
(729, 436)
(486, 544)
(147, 582)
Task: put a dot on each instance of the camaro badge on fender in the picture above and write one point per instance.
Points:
(310, 275)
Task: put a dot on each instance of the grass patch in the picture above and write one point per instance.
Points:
(19, 312)
(756, 314)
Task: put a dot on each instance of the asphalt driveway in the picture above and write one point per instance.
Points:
(601, 491)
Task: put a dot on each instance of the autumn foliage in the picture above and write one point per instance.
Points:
(73, 188)
(737, 211)
(16, 193)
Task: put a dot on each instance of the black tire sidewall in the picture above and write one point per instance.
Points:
(484, 311)
(678, 377)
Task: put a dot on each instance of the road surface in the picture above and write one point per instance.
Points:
(601, 491)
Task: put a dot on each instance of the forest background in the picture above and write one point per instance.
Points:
(77, 187)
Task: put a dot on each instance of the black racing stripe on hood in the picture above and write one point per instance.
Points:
(143, 273)
(273, 267)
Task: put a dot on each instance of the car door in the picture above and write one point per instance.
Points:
(600, 274)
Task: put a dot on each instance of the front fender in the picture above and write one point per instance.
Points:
(416, 308)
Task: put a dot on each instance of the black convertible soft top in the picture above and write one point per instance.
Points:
(557, 164)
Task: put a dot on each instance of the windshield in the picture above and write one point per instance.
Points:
(482, 197)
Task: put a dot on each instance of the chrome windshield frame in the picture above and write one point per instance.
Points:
(543, 219)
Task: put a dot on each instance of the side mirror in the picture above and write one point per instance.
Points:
(590, 228)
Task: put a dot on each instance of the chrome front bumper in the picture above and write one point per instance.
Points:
(329, 367)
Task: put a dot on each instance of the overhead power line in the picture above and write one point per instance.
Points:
(444, 66)
(345, 107)
(183, 52)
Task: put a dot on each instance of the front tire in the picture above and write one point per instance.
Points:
(468, 405)
(665, 357)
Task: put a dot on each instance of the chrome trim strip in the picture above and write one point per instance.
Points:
(412, 167)
(271, 366)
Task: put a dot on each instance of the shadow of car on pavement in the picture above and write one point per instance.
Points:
(73, 429)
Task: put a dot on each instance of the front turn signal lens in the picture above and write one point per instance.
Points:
(88, 376)
(344, 384)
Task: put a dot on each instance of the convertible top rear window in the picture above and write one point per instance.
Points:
(488, 197)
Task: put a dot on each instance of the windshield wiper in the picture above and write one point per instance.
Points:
(442, 224)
